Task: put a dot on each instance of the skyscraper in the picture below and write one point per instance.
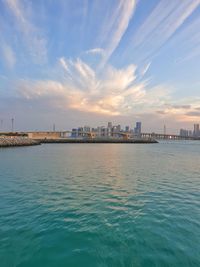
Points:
(109, 124)
(127, 129)
(196, 132)
(138, 128)
(184, 133)
(109, 128)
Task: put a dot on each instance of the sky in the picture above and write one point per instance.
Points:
(86, 62)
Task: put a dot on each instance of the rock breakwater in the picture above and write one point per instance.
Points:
(17, 141)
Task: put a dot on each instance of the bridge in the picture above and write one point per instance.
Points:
(168, 136)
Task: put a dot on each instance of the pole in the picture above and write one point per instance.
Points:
(164, 129)
(12, 122)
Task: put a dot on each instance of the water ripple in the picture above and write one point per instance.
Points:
(118, 206)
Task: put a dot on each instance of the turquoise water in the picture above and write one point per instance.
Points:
(100, 205)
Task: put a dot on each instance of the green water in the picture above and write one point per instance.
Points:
(100, 205)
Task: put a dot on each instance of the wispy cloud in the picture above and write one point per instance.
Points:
(181, 110)
(100, 32)
(115, 92)
(63, 64)
(193, 113)
(116, 27)
(188, 41)
(33, 37)
(160, 25)
(94, 51)
(8, 54)
(145, 68)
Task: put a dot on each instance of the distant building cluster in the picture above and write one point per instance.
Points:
(189, 133)
(109, 131)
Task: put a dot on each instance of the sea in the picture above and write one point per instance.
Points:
(100, 205)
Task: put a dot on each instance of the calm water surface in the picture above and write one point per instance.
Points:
(100, 205)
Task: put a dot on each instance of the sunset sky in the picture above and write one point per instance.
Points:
(86, 62)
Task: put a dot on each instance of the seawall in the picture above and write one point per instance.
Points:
(99, 141)
(17, 141)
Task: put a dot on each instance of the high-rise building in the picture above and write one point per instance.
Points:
(80, 132)
(116, 130)
(127, 129)
(74, 132)
(118, 127)
(104, 131)
(109, 124)
(190, 133)
(86, 129)
(138, 128)
(196, 132)
(109, 128)
(184, 133)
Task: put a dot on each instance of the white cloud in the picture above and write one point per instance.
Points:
(185, 109)
(63, 63)
(187, 41)
(116, 27)
(160, 25)
(33, 37)
(116, 92)
(8, 55)
(94, 51)
(145, 68)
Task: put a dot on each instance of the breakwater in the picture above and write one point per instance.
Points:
(6, 141)
(99, 141)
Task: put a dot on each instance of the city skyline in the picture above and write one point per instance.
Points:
(72, 63)
(113, 128)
